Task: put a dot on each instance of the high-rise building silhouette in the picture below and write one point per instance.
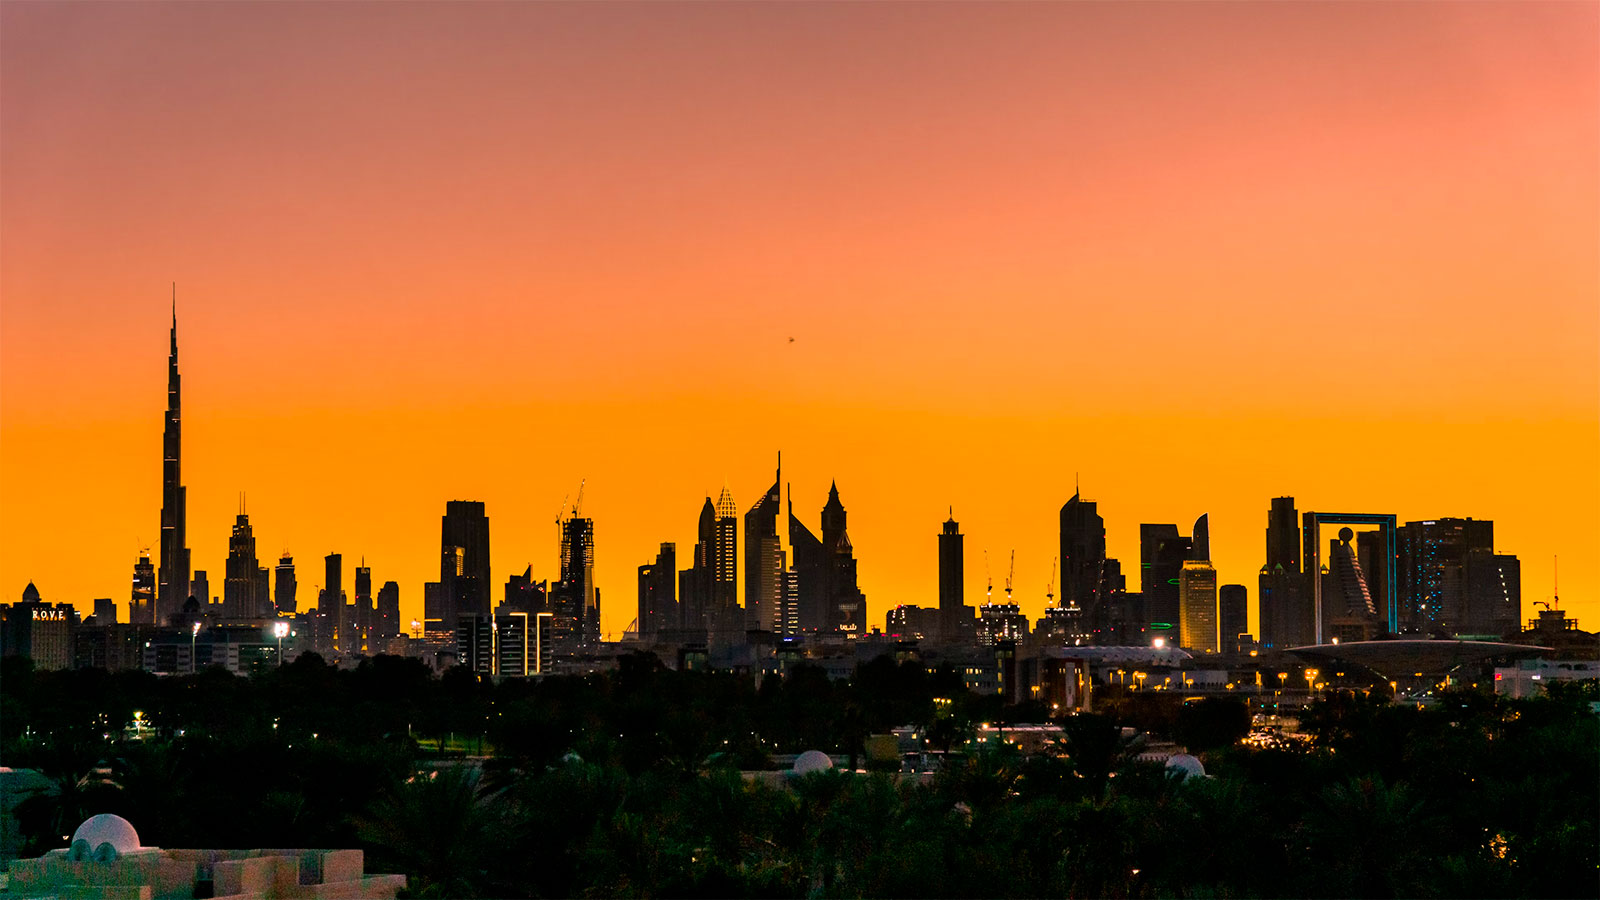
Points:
(388, 618)
(200, 588)
(954, 614)
(810, 604)
(1233, 612)
(1284, 606)
(1162, 552)
(142, 604)
(241, 574)
(577, 605)
(464, 561)
(364, 611)
(694, 583)
(725, 617)
(434, 626)
(763, 560)
(1348, 610)
(846, 605)
(105, 611)
(283, 593)
(1453, 582)
(1197, 593)
(173, 577)
(333, 630)
(1494, 594)
(1083, 565)
(658, 607)
(1197, 606)
(523, 594)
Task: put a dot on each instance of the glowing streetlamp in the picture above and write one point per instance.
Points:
(1311, 678)
(280, 630)
(194, 634)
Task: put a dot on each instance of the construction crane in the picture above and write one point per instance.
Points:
(1050, 590)
(1010, 575)
(988, 591)
(560, 513)
(578, 504)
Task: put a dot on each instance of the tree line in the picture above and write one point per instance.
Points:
(629, 783)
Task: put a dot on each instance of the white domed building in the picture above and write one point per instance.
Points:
(106, 859)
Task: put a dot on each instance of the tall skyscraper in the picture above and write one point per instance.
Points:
(763, 560)
(173, 585)
(284, 587)
(239, 587)
(725, 617)
(810, 604)
(657, 603)
(433, 614)
(333, 631)
(1083, 564)
(142, 605)
(1434, 590)
(1348, 611)
(1162, 552)
(1287, 618)
(1197, 605)
(846, 605)
(364, 611)
(105, 611)
(578, 599)
(1494, 594)
(694, 583)
(388, 619)
(1233, 611)
(464, 560)
(953, 612)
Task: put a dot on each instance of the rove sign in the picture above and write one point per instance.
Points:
(49, 615)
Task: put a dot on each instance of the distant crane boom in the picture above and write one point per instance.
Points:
(1010, 575)
(1050, 590)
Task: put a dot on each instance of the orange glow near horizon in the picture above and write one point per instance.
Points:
(1194, 255)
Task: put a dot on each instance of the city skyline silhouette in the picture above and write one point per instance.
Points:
(1191, 257)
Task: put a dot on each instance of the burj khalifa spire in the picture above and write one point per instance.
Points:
(173, 580)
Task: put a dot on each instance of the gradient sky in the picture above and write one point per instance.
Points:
(1195, 254)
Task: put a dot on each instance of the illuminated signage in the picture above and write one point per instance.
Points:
(49, 615)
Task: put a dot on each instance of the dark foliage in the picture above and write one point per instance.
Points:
(628, 784)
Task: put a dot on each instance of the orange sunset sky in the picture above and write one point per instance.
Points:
(1196, 254)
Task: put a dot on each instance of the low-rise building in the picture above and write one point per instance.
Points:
(106, 860)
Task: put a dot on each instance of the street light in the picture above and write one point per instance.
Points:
(280, 630)
(194, 633)
(1311, 677)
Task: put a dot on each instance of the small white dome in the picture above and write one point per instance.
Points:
(1187, 765)
(107, 829)
(812, 761)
